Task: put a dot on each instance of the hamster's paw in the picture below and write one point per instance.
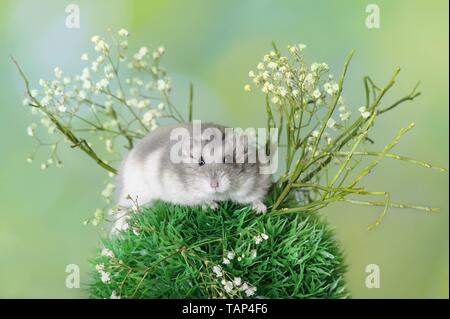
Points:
(212, 205)
(259, 207)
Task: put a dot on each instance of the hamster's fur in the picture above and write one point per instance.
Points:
(147, 174)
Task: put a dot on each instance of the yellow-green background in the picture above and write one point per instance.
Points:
(214, 44)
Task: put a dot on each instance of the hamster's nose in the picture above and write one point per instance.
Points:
(214, 183)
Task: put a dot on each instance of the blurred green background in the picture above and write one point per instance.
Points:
(214, 44)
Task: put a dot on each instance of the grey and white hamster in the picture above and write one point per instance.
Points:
(149, 172)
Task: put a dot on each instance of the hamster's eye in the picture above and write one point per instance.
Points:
(201, 162)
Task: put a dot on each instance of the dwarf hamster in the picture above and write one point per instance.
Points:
(185, 171)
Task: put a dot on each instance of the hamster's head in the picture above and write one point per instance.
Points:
(214, 167)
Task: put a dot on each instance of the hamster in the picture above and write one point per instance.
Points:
(192, 170)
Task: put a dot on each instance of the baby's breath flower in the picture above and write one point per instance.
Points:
(162, 85)
(344, 116)
(264, 236)
(331, 122)
(302, 46)
(58, 73)
(293, 49)
(226, 261)
(123, 33)
(231, 255)
(250, 291)
(258, 239)
(105, 277)
(251, 74)
(100, 267)
(228, 286)
(102, 46)
(30, 130)
(253, 253)
(364, 113)
(95, 39)
(247, 88)
(237, 281)
(272, 65)
(114, 295)
(84, 57)
(107, 192)
(107, 253)
(217, 270)
(316, 93)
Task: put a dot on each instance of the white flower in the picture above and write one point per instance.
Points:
(107, 253)
(253, 254)
(331, 122)
(107, 192)
(62, 108)
(102, 46)
(162, 85)
(105, 277)
(244, 286)
(264, 236)
(95, 39)
(302, 46)
(228, 286)
(250, 291)
(226, 261)
(30, 131)
(114, 295)
(149, 116)
(316, 93)
(314, 67)
(217, 270)
(258, 239)
(247, 88)
(260, 66)
(364, 113)
(315, 133)
(344, 116)
(282, 91)
(272, 65)
(82, 95)
(100, 267)
(251, 74)
(142, 53)
(102, 84)
(58, 72)
(237, 281)
(231, 255)
(84, 57)
(123, 33)
(292, 49)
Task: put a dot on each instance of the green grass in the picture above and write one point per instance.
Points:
(169, 252)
